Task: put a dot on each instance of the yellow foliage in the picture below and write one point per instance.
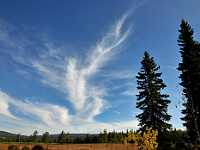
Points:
(145, 141)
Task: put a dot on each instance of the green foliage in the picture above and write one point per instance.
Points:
(176, 136)
(18, 138)
(103, 137)
(190, 80)
(111, 137)
(150, 100)
(45, 137)
(63, 137)
(33, 137)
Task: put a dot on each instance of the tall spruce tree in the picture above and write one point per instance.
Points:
(190, 80)
(150, 100)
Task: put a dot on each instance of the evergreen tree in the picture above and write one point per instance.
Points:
(95, 139)
(18, 138)
(105, 136)
(45, 137)
(62, 138)
(33, 138)
(68, 138)
(114, 137)
(87, 139)
(190, 80)
(150, 100)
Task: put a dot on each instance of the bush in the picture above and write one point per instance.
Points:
(147, 140)
(37, 147)
(13, 147)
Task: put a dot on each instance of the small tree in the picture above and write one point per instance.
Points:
(33, 137)
(62, 138)
(105, 136)
(145, 141)
(18, 138)
(45, 137)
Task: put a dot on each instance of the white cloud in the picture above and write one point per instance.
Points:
(72, 77)
(53, 118)
(4, 105)
(49, 114)
(49, 75)
(77, 75)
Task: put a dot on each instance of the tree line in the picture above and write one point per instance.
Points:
(103, 137)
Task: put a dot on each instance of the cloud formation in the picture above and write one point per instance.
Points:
(73, 77)
(81, 93)
(51, 117)
(4, 105)
(49, 114)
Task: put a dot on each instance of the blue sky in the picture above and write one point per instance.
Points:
(71, 65)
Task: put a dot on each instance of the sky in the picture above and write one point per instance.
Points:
(72, 65)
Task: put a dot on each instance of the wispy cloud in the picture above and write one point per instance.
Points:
(49, 75)
(53, 118)
(4, 105)
(77, 75)
(72, 76)
(49, 114)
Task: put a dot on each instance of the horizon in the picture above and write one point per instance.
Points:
(72, 66)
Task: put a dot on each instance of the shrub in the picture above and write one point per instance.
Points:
(37, 147)
(145, 141)
(13, 147)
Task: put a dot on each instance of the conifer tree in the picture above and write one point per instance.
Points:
(45, 137)
(150, 100)
(190, 80)
(105, 136)
(62, 138)
(34, 136)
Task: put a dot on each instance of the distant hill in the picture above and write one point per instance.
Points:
(4, 134)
